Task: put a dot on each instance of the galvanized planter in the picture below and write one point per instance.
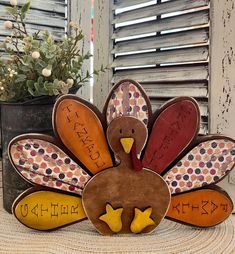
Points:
(18, 118)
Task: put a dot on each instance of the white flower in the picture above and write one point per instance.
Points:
(13, 2)
(8, 39)
(46, 72)
(64, 90)
(35, 55)
(2, 88)
(8, 24)
(72, 24)
(70, 82)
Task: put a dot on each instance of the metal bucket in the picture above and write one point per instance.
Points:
(19, 118)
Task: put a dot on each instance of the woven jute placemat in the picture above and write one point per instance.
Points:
(169, 237)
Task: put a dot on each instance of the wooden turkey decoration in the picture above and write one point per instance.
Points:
(126, 169)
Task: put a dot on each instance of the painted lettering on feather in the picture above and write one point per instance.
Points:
(83, 136)
(54, 210)
(202, 208)
(171, 135)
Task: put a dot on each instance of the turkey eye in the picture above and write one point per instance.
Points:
(133, 131)
(120, 131)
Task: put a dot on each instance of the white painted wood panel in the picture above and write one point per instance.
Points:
(222, 75)
(50, 15)
(102, 49)
(159, 9)
(193, 37)
(40, 17)
(193, 54)
(80, 12)
(49, 5)
(166, 90)
(181, 21)
(163, 73)
(58, 33)
(126, 3)
(176, 73)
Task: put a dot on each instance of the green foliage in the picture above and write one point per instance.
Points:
(25, 8)
(38, 65)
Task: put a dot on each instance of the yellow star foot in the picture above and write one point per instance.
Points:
(141, 220)
(113, 218)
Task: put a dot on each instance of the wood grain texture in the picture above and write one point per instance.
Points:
(157, 103)
(222, 75)
(194, 54)
(185, 20)
(187, 67)
(196, 36)
(51, 16)
(175, 127)
(161, 90)
(174, 73)
(123, 187)
(124, 3)
(103, 45)
(201, 208)
(222, 68)
(40, 17)
(46, 210)
(159, 9)
(81, 131)
(80, 13)
(56, 6)
(57, 32)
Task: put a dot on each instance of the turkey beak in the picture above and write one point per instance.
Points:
(127, 144)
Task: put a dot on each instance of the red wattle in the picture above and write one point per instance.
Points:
(136, 163)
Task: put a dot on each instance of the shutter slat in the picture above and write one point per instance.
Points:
(203, 128)
(55, 6)
(126, 3)
(40, 18)
(2, 38)
(159, 9)
(194, 54)
(181, 21)
(166, 90)
(197, 36)
(176, 73)
(58, 33)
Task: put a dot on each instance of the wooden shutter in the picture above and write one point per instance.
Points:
(165, 46)
(48, 15)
